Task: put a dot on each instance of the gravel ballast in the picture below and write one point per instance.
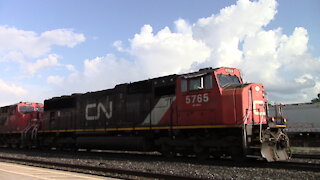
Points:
(184, 166)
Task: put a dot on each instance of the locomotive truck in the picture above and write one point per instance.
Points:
(210, 112)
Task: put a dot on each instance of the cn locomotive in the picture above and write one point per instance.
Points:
(211, 112)
(19, 123)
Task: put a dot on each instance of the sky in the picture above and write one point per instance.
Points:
(54, 48)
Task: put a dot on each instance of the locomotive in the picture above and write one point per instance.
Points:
(211, 112)
(19, 123)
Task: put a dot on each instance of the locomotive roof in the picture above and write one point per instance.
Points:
(158, 81)
(199, 73)
(21, 102)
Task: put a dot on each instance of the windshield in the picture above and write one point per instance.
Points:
(26, 109)
(40, 109)
(225, 80)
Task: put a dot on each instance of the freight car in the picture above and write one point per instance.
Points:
(207, 113)
(19, 123)
(303, 126)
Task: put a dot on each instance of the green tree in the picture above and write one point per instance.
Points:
(316, 99)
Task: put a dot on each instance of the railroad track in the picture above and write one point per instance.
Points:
(93, 170)
(46, 159)
(288, 165)
(306, 156)
(300, 166)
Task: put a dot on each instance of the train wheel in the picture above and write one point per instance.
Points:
(216, 156)
(203, 156)
(237, 154)
(13, 145)
(202, 153)
(167, 151)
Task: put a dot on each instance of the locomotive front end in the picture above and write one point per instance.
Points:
(261, 130)
(245, 104)
(275, 143)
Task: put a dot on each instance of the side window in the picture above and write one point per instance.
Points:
(39, 109)
(12, 110)
(184, 85)
(199, 83)
(52, 116)
(196, 84)
(208, 82)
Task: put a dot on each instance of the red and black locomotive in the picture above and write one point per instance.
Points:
(208, 113)
(19, 123)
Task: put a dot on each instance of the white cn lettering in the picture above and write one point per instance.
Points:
(100, 107)
(255, 108)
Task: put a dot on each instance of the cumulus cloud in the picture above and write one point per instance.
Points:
(166, 52)
(223, 32)
(51, 60)
(118, 45)
(11, 88)
(32, 45)
(24, 47)
(32, 53)
(70, 67)
(61, 37)
(152, 54)
(236, 37)
(55, 80)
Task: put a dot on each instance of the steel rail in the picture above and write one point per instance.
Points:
(306, 156)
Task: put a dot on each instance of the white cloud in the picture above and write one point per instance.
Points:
(51, 60)
(32, 45)
(62, 37)
(224, 32)
(13, 55)
(118, 45)
(183, 27)
(70, 67)
(10, 89)
(152, 55)
(296, 44)
(32, 51)
(166, 52)
(236, 37)
(55, 80)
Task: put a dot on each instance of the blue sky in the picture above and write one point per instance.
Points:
(51, 48)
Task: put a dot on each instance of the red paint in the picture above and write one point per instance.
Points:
(217, 106)
(16, 118)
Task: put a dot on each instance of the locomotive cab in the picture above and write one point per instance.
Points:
(218, 99)
(19, 122)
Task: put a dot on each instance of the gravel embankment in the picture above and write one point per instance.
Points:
(210, 169)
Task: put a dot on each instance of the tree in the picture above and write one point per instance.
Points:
(316, 99)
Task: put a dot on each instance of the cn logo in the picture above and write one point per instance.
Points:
(99, 107)
(258, 108)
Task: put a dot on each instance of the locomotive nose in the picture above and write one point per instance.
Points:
(275, 145)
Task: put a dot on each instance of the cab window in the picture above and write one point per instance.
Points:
(225, 80)
(184, 85)
(195, 84)
(208, 82)
(39, 109)
(26, 109)
(52, 117)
